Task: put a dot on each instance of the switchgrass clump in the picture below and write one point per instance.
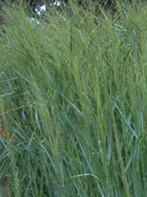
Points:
(73, 104)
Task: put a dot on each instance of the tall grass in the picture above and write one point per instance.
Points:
(73, 103)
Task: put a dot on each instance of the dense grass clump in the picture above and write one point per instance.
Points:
(73, 104)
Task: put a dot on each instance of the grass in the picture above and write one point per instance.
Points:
(73, 104)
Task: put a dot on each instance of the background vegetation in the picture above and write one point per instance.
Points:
(73, 103)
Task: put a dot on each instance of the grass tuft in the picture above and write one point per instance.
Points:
(73, 104)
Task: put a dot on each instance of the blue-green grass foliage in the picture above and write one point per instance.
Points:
(73, 91)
